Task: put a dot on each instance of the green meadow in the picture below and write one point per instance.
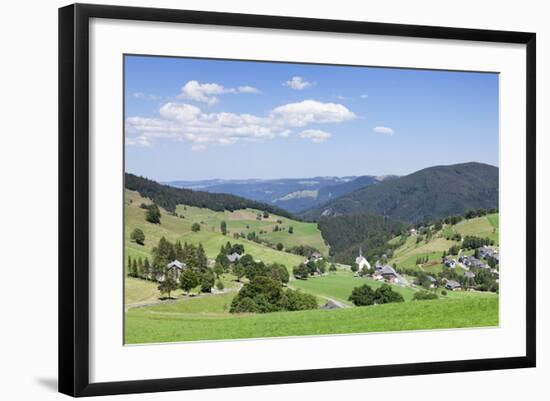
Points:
(166, 323)
(340, 284)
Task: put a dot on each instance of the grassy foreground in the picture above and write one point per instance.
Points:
(166, 324)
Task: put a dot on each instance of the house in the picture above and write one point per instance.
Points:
(362, 262)
(413, 231)
(485, 252)
(314, 257)
(452, 285)
(174, 268)
(432, 280)
(386, 273)
(233, 257)
(469, 275)
(451, 263)
(471, 261)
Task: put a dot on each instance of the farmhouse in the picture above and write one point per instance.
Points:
(386, 273)
(413, 231)
(449, 263)
(362, 262)
(469, 275)
(471, 261)
(233, 257)
(315, 256)
(487, 253)
(452, 285)
(433, 281)
(174, 268)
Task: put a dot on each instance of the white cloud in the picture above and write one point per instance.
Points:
(186, 122)
(383, 130)
(209, 92)
(316, 135)
(310, 111)
(247, 89)
(297, 83)
(145, 96)
(363, 96)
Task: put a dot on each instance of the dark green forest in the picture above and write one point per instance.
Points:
(347, 233)
(423, 196)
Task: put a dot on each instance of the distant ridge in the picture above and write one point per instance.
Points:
(168, 197)
(430, 193)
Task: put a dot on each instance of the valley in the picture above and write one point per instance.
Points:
(335, 270)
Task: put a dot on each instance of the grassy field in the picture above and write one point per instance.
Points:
(245, 221)
(339, 286)
(484, 226)
(177, 228)
(161, 324)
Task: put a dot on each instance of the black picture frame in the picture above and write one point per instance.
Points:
(74, 201)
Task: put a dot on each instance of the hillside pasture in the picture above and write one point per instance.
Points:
(246, 221)
(484, 226)
(175, 228)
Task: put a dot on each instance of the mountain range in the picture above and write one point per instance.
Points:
(427, 194)
(292, 194)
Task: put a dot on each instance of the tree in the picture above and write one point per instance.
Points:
(167, 286)
(290, 230)
(362, 296)
(207, 281)
(219, 269)
(223, 227)
(354, 267)
(195, 227)
(280, 246)
(301, 271)
(138, 236)
(294, 300)
(238, 270)
(152, 215)
(424, 295)
(144, 274)
(279, 273)
(202, 260)
(219, 285)
(266, 214)
(385, 294)
(332, 267)
(163, 254)
(188, 280)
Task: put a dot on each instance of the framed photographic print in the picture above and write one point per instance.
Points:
(249, 199)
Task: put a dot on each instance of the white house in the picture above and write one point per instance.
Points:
(362, 262)
(233, 257)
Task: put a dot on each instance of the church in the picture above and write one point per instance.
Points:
(362, 262)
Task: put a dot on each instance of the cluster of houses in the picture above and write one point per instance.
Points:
(381, 272)
(175, 267)
(488, 253)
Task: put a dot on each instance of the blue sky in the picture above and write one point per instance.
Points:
(199, 119)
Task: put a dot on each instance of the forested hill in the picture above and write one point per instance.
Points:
(168, 197)
(427, 194)
(347, 234)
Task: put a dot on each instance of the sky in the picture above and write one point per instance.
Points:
(195, 119)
